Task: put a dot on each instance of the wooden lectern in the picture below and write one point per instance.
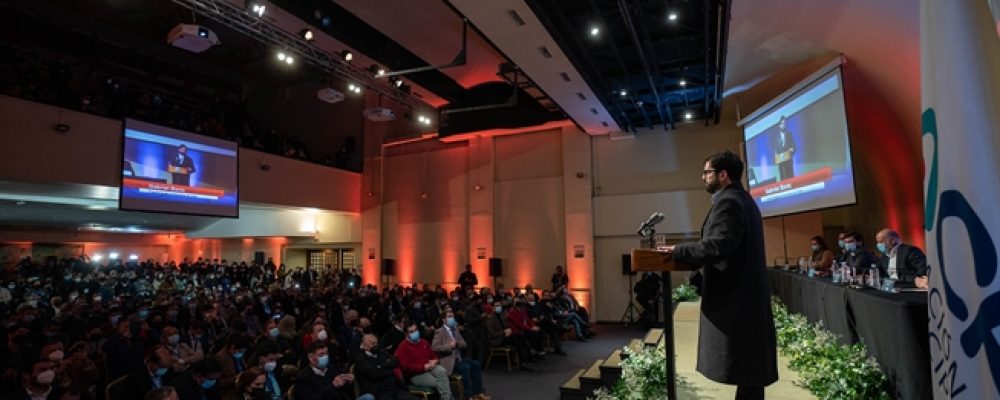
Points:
(650, 260)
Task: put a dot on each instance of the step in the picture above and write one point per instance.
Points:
(635, 344)
(591, 379)
(611, 369)
(653, 336)
(571, 389)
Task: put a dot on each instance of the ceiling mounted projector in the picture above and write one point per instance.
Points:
(379, 114)
(329, 95)
(193, 38)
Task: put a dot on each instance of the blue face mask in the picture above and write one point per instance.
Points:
(323, 361)
(815, 247)
(451, 322)
(161, 371)
(414, 336)
(238, 355)
(851, 246)
(274, 332)
(143, 314)
(208, 383)
(881, 247)
(841, 244)
(498, 309)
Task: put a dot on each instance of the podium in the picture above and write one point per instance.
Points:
(177, 170)
(650, 260)
(782, 156)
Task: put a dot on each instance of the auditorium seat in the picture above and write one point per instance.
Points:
(508, 353)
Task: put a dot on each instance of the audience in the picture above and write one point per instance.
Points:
(420, 365)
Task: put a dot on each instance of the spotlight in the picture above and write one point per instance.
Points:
(424, 120)
(347, 55)
(97, 257)
(623, 93)
(307, 34)
(594, 31)
(687, 115)
(354, 88)
(683, 83)
(113, 256)
(395, 81)
(256, 8)
(672, 16)
(133, 257)
(281, 56)
(376, 70)
(289, 60)
(326, 21)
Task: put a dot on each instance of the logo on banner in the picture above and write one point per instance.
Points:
(949, 310)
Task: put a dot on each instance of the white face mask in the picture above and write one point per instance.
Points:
(57, 356)
(46, 378)
(321, 335)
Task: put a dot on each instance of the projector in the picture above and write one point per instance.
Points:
(193, 38)
(329, 95)
(379, 114)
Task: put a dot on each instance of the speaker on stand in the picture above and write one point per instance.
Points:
(631, 314)
(496, 270)
(388, 271)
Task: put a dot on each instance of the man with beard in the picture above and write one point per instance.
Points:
(736, 343)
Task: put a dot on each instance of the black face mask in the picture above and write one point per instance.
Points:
(259, 394)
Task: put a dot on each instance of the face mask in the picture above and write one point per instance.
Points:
(161, 371)
(270, 366)
(414, 336)
(197, 337)
(29, 318)
(274, 332)
(416, 305)
(321, 335)
(46, 378)
(174, 339)
(323, 361)
(455, 299)
(208, 383)
(239, 354)
(143, 314)
(172, 314)
(851, 246)
(451, 322)
(498, 309)
(881, 247)
(815, 247)
(11, 286)
(841, 244)
(531, 303)
(57, 356)
(115, 319)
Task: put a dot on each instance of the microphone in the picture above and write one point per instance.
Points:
(654, 219)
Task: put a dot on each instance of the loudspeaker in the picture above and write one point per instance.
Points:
(388, 267)
(496, 267)
(258, 257)
(627, 264)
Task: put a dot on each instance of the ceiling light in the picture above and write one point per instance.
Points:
(623, 93)
(672, 16)
(347, 55)
(307, 34)
(594, 31)
(688, 115)
(683, 82)
(257, 8)
(133, 257)
(289, 60)
(97, 257)
(326, 21)
(281, 56)
(113, 256)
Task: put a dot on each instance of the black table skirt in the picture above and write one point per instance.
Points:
(893, 326)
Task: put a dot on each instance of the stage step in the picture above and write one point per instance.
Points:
(591, 379)
(653, 336)
(571, 389)
(611, 369)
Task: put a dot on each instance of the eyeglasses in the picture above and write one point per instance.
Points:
(707, 171)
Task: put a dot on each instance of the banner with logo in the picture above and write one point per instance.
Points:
(960, 73)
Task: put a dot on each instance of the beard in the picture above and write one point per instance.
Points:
(713, 187)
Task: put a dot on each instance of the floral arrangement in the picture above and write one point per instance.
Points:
(644, 375)
(828, 369)
(684, 292)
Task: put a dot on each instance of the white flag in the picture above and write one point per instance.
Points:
(960, 72)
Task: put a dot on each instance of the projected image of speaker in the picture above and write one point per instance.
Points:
(627, 265)
(496, 267)
(388, 267)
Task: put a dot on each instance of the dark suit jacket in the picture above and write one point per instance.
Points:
(910, 263)
(310, 386)
(375, 374)
(391, 340)
(780, 147)
(182, 179)
(188, 389)
(137, 383)
(736, 343)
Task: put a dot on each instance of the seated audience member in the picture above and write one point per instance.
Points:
(521, 324)
(855, 253)
(391, 339)
(448, 344)
(900, 261)
(251, 386)
(822, 257)
(199, 382)
(36, 381)
(155, 374)
(419, 363)
(193, 346)
(163, 393)
(375, 372)
(499, 334)
(171, 340)
(268, 358)
(321, 380)
(232, 360)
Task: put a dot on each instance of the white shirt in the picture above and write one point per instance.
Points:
(893, 272)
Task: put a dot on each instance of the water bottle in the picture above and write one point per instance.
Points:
(835, 272)
(876, 282)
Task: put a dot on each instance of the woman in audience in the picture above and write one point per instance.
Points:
(822, 257)
(251, 385)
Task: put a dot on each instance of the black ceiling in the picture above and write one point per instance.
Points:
(640, 51)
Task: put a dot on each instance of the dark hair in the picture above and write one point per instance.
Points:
(726, 161)
(822, 243)
(247, 378)
(161, 393)
(315, 346)
(265, 347)
(208, 366)
(856, 236)
(238, 341)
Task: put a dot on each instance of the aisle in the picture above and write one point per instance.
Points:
(692, 385)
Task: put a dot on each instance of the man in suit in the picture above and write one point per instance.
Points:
(783, 143)
(856, 254)
(736, 343)
(322, 380)
(36, 381)
(232, 358)
(156, 374)
(376, 375)
(199, 382)
(448, 344)
(391, 339)
(181, 166)
(900, 261)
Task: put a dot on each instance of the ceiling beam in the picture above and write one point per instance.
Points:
(623, 7)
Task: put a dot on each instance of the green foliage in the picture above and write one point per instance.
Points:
(826, 368)
(644, 376)
(684, 292)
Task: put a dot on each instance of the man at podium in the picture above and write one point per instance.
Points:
(181, 166)
(784, 148)
(736, 340)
